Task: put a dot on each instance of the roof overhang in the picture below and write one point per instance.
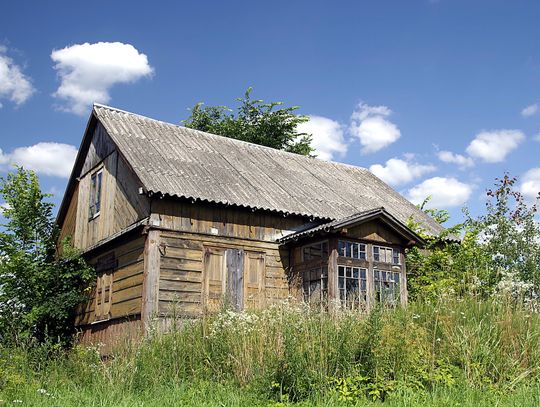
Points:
(356, 219)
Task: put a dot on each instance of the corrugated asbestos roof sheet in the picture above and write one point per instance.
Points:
(350, 220)
(182, 162)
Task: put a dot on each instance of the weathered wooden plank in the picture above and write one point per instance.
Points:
(181, 275)
(181, 264)
(152, 258)
(179, 285)
(126, 294)
(180, 296)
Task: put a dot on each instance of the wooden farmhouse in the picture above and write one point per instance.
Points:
(181, 222)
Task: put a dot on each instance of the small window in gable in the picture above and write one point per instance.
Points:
(95, 194)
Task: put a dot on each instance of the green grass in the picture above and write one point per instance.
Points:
(453, 353)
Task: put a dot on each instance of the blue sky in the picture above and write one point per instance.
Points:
(436, 97)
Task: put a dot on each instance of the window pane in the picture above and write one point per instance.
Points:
(341, 270)
(363, 273)
(355, 273)
(349, 272)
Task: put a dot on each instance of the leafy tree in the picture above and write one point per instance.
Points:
(255, 122)
(39, 288)
(498, 251)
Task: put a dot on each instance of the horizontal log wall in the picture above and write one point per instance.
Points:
(223, 221)
(182, 275)
(127, 282)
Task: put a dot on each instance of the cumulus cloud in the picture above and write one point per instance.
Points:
(14, 85)
(444, 192)
(530, 110)
(530, 183)
(371, 126)
(54, 159)
(452, 158)
(88, 71)
(398, 171)
(328, 139)
(493, 146)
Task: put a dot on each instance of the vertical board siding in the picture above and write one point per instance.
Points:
(127, 282)
(182, 276)
(111, 333)
(121, 203)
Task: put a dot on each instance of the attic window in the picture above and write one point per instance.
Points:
(95, 194)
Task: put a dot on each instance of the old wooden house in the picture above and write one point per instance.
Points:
(181, 221)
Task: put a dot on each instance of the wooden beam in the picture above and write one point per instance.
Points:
(152, 260)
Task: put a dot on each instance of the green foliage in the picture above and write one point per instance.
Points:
(498, 253)
(457, 351)
(255, 122)
(39, 289)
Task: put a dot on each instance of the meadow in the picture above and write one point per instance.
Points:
(449, 352)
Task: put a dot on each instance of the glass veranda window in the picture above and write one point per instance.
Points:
(352, 286)
(387, 286)
(352, 249)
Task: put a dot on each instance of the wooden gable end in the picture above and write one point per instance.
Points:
(120, 204)
(376, 231)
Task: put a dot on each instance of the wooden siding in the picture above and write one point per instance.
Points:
(127, 282)
(182, 271)
(112, 333)
(100, 147)
(376, 232)
(223, 221)
(70, 221)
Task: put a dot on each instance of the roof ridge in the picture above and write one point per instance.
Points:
(274, 150)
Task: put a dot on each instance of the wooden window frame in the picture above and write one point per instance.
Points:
(96, 185)
(354, 245)
(380, 277)
(321, 243)
(389, 256)
(321, 282)
(346, 274)
(105, 268)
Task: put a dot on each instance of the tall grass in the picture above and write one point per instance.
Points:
(454, 350)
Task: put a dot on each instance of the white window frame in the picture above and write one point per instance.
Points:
(347, 273)
(389, 254)
(357, 247)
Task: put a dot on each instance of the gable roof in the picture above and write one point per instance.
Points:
(353, 220)
(176, 161)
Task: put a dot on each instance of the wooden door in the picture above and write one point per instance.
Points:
(235, 278)
(214, 278)
(254, 266)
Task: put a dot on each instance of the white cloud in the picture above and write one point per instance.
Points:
(493, 146)
(398, 172)
(328, 139)
(14, 85)
(530, 110)
(444, 192)
(55, 159)
(537, 137)
(373, 129)
(88, 71)
(530, 183)
(449, 157)
(4, 206)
